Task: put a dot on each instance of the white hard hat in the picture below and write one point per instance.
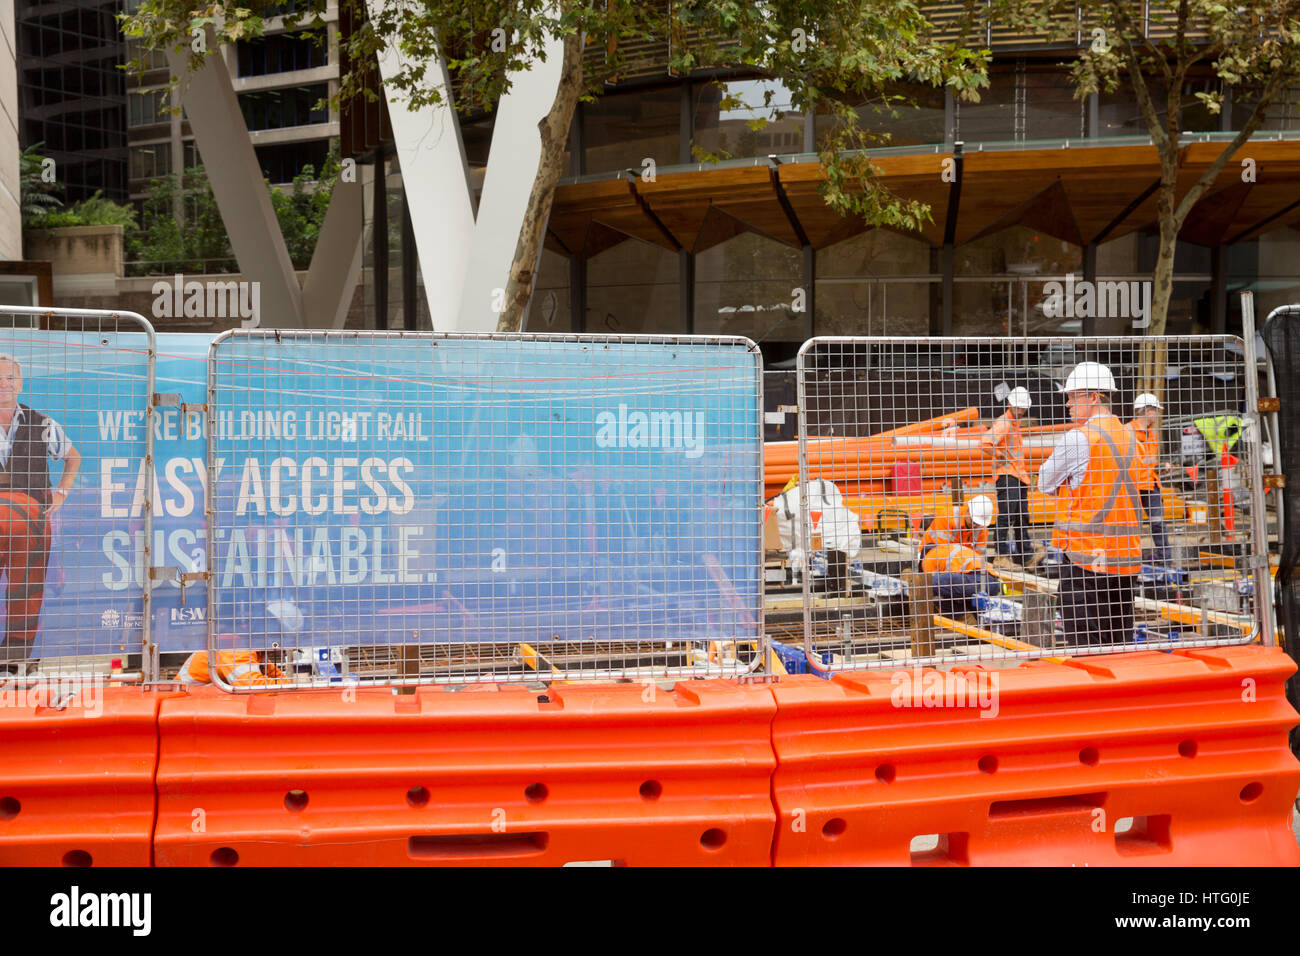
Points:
(980, 509)
(1019, 398)
(1147, 400)
(1090, 377)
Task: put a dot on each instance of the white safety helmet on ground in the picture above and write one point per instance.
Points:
(980, 509)
(1019, 398)
(1147, 400)
(1090, 377)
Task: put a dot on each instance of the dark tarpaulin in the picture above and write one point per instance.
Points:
(1282, 338)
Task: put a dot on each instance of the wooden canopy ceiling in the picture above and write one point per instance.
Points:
(1079, 194)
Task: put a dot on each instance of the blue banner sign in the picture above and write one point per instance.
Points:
(373, 489)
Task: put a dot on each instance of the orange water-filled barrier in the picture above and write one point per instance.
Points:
(76, 775)
(627, 773)
(1134, 759)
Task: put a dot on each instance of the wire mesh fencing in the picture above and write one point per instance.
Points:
(77, 495)
(407, 508)
(979, 499)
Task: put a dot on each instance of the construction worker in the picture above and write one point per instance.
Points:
(1146, 429)
(967, 524)
(1092, 471)
(240, 668)
(1011, 476)
(957, 572)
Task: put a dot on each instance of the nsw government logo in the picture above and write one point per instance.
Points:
(110, 618)
(629, 429)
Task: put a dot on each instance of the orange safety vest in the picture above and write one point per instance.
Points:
(954, 529)
(237, 668)
(1101, 530)
(1148, 452)
(953, 558)
(1004, 443)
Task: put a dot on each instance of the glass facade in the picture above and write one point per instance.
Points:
(281, 53)
(920, 118)
(145, 108)
(281, 162)
(730, 119)
(873, 282)
(72, 93)
(876, 283)
(284, 108)
(151, 161)
(634, 287)
(623, 130)
(753, 286)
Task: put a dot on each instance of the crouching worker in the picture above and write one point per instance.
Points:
(234, 668)
(966, 525)
(957, 574)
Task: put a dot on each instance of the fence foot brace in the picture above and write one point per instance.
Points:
(1133, 759)
(625, 773)
(76, 774)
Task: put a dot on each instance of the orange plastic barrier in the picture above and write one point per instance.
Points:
(76, 775)
(1134, 759)
(633, 774)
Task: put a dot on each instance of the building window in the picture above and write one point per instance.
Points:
(281, 162)
(726, 129)
(152, 161)
(149, 59)
(620, 130)
(282, 53)
(920, 118)
(144, 108)
(550, 310)
(874, 283)
(282, 109)
(745, 286)
(633, 287)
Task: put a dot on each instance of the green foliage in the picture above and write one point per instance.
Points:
(301, 210)
(199, 243)
(166, 244)
(1252, 46)
(834, 56)
(98, 210)
(37, 195)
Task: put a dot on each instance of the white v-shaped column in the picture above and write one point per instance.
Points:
(463, 261)
(245, 203)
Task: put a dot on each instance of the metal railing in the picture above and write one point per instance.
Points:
(77, 494)
(418, 507)
(931, 537)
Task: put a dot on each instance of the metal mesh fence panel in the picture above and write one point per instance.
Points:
(984, 499)
(76, 495)
(450, 508)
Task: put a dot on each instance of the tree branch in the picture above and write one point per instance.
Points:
(1271, 89)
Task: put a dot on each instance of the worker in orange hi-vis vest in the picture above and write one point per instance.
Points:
(967, 524)
(1004, 444)
(1092, 470)
(957, 573)
(1146, 473)
(242, 668)
(29, 440)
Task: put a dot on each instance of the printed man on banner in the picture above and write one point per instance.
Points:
(29, 441)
